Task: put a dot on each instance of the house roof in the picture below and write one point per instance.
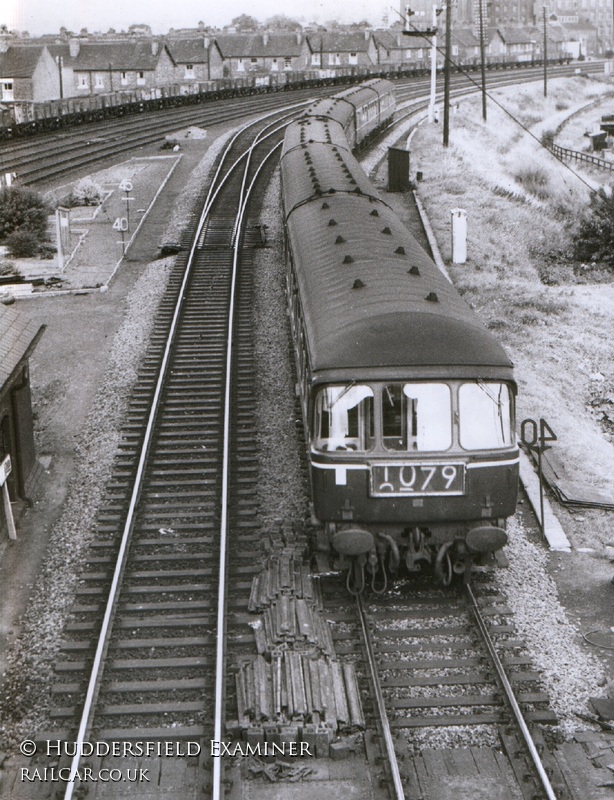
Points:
(59, 50)
(517, 35)
(339, 42)
(20, 61)
(397, 41)
(556, 33)
(259, 45)
(191, 51)
(18, 337)
(466, 38)
(134, 55)
(580, 26)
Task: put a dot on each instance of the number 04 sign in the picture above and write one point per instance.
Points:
(535, 436)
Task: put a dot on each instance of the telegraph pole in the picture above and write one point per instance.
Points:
(482, 61)
(432, 32)
(60, 63)
(446, 75)
(545, 55)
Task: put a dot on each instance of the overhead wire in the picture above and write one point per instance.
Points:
(459, 68)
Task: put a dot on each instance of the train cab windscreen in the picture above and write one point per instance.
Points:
(414, 417)
(344, 418)
(417, 417)
(485, 414)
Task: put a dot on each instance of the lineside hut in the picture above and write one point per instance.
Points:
(18, 338)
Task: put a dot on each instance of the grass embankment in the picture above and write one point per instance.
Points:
(553, 315)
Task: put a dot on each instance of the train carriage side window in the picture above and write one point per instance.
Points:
(485, 415)
(417, 417)
(344, 418)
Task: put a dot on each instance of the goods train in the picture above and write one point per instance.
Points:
(407, 399)
(21, 118)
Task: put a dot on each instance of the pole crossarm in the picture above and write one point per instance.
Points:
(425, 32)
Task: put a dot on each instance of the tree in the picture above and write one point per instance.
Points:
(280, 22)
(245, 24)
(594, 240)
(22, 210)
(363, 25)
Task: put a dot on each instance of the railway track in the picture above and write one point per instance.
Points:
(152, 615)
(74, 150)
(452, 688)
(68, 151)
(173, 495)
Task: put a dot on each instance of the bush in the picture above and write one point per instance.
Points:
(594, 240)
(7, 268)
(46, 250)
(535, 181)
(547, 139)
(22, 210)
(86, 192)
(22, 244)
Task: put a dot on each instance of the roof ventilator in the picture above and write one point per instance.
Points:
(432, 297)
(413, 271)
(358, 284)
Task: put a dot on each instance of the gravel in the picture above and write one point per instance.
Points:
(26, 682)
(29, 675)
(282, 488)
(570, 674)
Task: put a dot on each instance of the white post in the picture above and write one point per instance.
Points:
(433, 67)
(459, 235)
(8, 512)
(62, 231)
(5, 470)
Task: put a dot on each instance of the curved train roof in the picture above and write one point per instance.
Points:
(371, 296)
(333, 108)
(308, 130)
(375, 298)
(365, 92)
(321, 170)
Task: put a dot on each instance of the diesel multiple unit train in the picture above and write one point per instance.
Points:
(407, 399)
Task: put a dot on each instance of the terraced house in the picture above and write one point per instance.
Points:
(332, 50)
(196, 59)
(100, 67)
(399, 51)
(27, 74)
(262, 53)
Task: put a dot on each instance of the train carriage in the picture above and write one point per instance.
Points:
(407, 399)
(360, 110)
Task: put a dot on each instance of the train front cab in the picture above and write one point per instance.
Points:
(420, 472)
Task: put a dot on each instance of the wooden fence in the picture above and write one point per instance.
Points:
(565, 152)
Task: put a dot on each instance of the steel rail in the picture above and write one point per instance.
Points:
(102, 645)
(399, 792)
(510, 697)
(220, 654)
